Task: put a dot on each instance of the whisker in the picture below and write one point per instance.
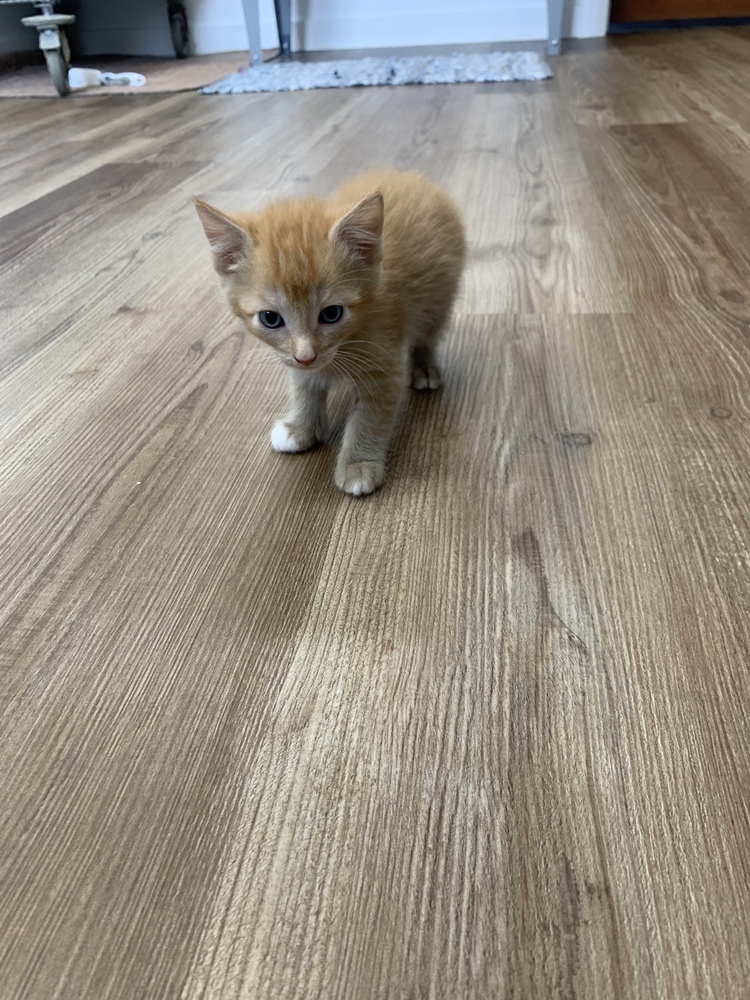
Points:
(370, 343)
(367, 370)
(346, 366)
(339, 369)
(360, 373)
(377, 350)
(367, 362)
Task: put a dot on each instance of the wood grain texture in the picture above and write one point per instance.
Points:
(483, 735)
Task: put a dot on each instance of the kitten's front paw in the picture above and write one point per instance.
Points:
(286, 439)
(425, 379)
(359, 478)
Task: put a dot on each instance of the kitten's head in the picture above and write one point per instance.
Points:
(298, 274)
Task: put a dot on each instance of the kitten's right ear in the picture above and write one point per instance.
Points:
(361, 228)
(230, 244)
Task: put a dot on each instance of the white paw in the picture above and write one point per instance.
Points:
(359, 478)
(425, 379)
(283, 440)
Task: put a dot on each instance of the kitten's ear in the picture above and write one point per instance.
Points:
(361, 228)
(230, 244)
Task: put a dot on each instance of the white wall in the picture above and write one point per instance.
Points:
(140, 27)
(386, 23)
(217, 25)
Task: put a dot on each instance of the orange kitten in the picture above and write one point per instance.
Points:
(354, 289)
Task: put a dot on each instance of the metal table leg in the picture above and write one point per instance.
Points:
(284, 22)
(252, 21)
(555, 10)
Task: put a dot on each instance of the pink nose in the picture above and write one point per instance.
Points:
(306, 359)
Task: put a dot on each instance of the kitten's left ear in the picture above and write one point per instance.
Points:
(361, 228)
(230, 243)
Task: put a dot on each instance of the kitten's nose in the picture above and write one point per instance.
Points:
(305, 359)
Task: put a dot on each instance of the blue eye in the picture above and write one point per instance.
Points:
(331, 314)
(271, 320)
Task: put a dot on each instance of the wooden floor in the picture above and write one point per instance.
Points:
(483, 735)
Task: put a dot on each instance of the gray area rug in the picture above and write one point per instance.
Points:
(394, 71)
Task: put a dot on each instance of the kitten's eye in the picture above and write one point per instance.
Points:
(331, 314)
(271, 320)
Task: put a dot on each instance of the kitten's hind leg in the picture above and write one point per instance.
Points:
(426, 326)
(425, 374)
(306, 423)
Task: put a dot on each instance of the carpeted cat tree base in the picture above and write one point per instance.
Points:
(395, 71)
